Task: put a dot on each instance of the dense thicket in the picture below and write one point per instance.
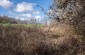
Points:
(71, 12)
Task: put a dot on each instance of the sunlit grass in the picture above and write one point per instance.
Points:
(24, 25)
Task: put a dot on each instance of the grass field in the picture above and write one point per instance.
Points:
(24, 25)
(26, 39)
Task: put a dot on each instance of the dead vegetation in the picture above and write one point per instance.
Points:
(31, 41)
(66, 38)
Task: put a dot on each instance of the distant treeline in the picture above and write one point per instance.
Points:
(6, 19)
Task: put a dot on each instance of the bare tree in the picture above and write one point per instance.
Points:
(71, 12)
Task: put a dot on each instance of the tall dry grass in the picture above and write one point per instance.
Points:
(20, 40)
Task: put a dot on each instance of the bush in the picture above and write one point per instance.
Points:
(70, 12)
(6, 19)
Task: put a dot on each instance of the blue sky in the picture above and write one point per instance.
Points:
(24, 9)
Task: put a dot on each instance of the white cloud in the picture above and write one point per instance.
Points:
(23, 16)
(26, 15)
(24, 7)
(36, 12)
(20, 18)
(6, 4)
(38, 17)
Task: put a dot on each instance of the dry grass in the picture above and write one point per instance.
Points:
(21, 40)
(61, 30)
